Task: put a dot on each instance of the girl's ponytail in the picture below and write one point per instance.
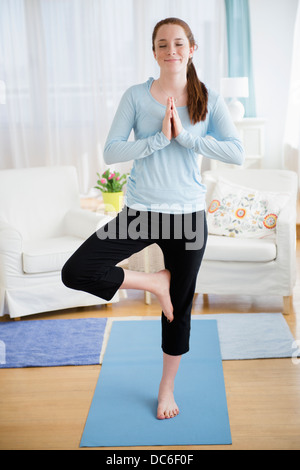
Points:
(197, 95)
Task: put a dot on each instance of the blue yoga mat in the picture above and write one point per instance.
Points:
(123, 409)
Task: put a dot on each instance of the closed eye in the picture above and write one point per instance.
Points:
(179, 45)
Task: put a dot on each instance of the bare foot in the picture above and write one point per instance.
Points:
(158, 283)
(163, 293)
(167, 407)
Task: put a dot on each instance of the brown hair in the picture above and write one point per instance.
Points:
(197, 91)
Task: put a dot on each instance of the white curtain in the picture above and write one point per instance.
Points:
(292, 128)
(66, 64)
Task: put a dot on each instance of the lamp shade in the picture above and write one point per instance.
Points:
(235, 87)
(2, 92)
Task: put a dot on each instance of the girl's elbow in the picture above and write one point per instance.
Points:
(241, 158)
(239, 155)
(106, 158)
(107, 155)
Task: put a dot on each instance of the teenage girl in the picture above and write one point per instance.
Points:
(174, 118)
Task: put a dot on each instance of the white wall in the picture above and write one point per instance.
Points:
(272, 28)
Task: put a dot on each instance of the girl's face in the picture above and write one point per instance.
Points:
(172, 49)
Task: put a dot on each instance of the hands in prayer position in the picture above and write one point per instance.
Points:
(171, 124)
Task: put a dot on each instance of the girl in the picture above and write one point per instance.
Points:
(174, 118)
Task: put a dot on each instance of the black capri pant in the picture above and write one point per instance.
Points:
(182, 239)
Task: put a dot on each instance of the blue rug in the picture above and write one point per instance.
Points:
(123, 410)
(46, 343)
(253, 335)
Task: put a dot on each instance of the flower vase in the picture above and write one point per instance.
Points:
(113, 202)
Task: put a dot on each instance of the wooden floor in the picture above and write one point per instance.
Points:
(46, 408)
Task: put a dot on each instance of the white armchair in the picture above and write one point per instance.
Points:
(41, 225)
(254, 266)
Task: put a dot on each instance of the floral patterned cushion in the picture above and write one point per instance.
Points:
(237, 211)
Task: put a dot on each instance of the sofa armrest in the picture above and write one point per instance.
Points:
(83, 223)
(286, 240)
(10, 238)
(286, 224)
(11, 243)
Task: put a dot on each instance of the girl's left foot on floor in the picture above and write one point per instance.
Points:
(167, 407)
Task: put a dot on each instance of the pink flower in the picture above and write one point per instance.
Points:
(117, 178)
(111, 176)
(103, 181)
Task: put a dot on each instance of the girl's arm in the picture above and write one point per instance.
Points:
(117, 148)
(222, 141)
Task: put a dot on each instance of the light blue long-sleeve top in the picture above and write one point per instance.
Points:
(165, 175)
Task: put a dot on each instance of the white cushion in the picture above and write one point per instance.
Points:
(240, 249)
(241, 212)
(48, 255)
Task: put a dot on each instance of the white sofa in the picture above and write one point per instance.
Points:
(41, 225)
(242, 266)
